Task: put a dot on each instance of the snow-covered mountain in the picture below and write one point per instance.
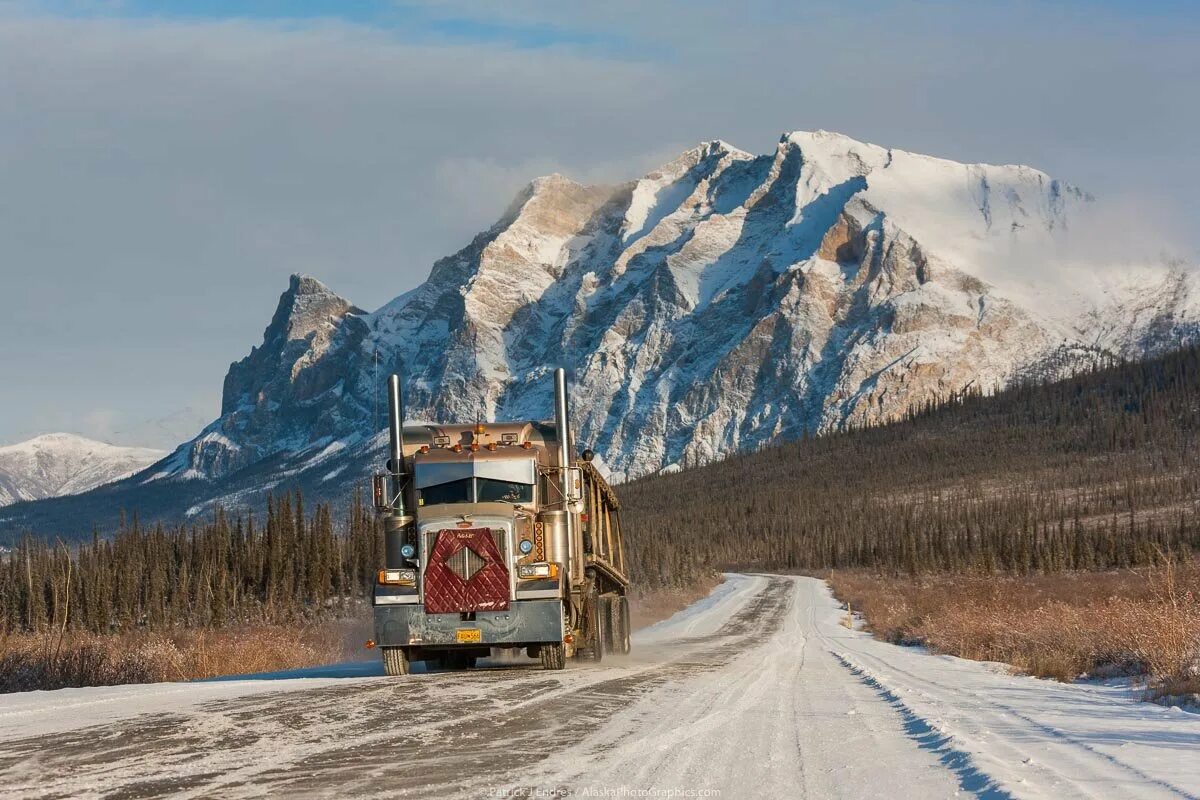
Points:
(56, 464)
(720, 302)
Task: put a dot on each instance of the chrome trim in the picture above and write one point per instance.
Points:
(510, 559)
(397, 599)
(538, 594)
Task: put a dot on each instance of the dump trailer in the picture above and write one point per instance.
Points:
(497, 536)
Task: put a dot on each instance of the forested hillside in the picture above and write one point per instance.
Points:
(1096, 471)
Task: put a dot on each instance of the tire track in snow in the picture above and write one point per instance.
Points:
(1021, 754)
(782, 719)
(1135, 775)
(928, 737)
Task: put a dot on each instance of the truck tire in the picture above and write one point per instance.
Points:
(609, 611)
(395, 661)
(593, 628)
(621, 632)
(554, 656)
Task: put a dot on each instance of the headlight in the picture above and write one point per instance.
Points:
(532, 571)
(407, 550)
(401, 577)
(526, 546)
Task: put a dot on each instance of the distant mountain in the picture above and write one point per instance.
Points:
(722, 301)
(57, 464)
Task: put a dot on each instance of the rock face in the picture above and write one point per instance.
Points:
(56, 464)
(723, 301)
(276, 395)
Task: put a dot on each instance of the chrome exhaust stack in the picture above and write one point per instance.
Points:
(562, 429)
(566, 536)
(396, 524)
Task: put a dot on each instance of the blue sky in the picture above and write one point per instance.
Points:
(164, 166)
(559, 24)
(411, 21)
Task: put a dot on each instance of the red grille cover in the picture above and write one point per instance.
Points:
(485, 590)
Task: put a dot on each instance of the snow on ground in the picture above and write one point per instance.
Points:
(38, 713)
(1025, 736)
(706, 616)
(756, 690)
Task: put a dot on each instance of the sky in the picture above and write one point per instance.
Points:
(165, 166)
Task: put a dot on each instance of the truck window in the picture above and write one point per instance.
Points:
(453, 492)
(491, 491)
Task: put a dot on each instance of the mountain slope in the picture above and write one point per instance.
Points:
(720, 302)
(57, 464)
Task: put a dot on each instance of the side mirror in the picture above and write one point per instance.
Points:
(379, 492)
(574, 484)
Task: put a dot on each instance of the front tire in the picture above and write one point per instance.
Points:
(553, 656)
(395, 661)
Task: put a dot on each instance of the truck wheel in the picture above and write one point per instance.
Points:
(621, 635)
(554, 656)
(395, 661)
(609, 609)
(593, 631)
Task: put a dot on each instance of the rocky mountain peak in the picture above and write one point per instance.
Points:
(719, 302)
(308, 320)
(304, 308)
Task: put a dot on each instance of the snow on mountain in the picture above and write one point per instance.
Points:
(57, 464)
(722, 301)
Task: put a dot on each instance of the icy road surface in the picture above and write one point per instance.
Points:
(754, 691)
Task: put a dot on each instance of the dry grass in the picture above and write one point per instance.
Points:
(1144, 622)
(30, 662)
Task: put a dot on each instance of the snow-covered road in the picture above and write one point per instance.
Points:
(754, 691)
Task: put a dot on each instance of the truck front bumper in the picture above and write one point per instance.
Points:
(525, 622)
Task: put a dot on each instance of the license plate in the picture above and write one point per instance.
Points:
(469, 635)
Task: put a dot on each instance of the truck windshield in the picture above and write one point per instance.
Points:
(491, 491)
(452, 492)
(476, 490)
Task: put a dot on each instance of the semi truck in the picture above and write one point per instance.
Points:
(497, 536)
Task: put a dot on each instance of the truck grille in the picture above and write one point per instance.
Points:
(498, 537)
(465, 563)
(466, 570)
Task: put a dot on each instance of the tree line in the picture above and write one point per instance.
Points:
(1100, 470)
(225, 571)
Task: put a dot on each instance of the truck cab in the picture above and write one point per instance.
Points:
(498, 536)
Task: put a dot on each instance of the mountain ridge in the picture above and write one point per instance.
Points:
(55, 464)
